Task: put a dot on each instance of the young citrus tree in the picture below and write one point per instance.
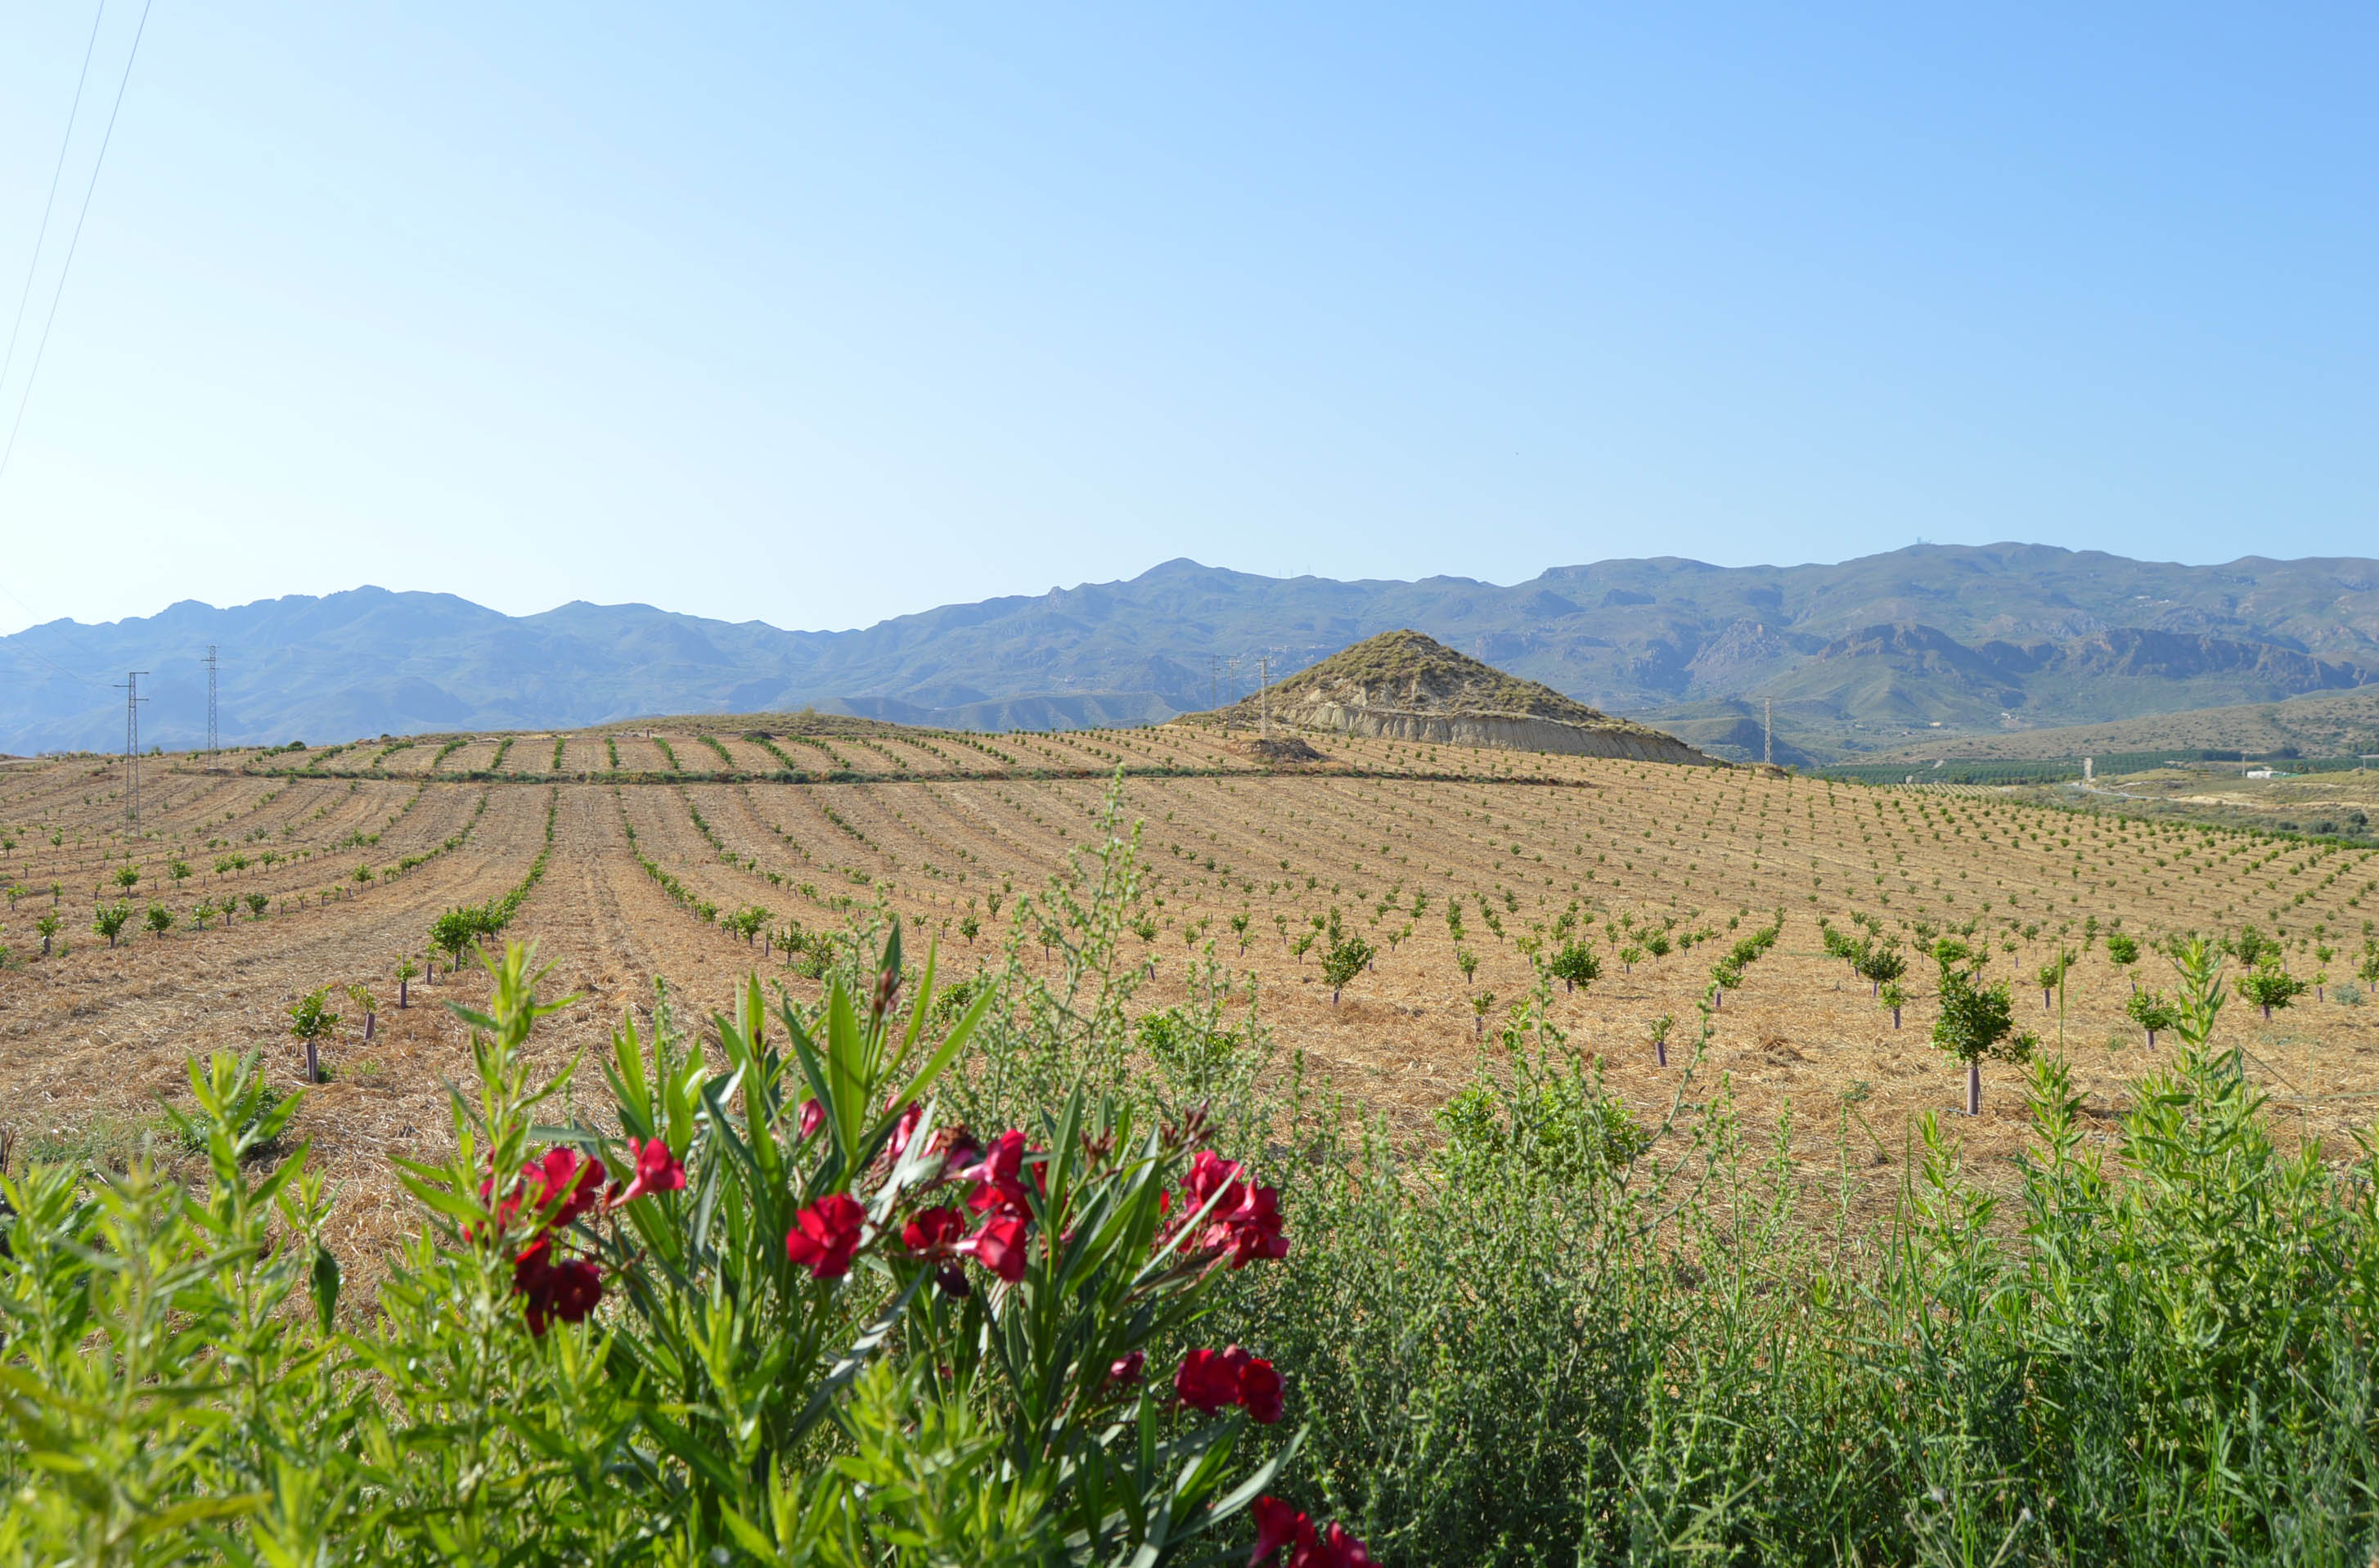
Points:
(360, 998)
(1575, 964)
(1346, 959)
(2051, 975)
(2123, 951)
(109, 920)
(2152, 1011)
(311, 1021)
(1977, 1022)
(1891, 994)
(453, 932)
(1879, 965)
(2270, 986)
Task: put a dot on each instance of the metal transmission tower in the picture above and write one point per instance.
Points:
(1263, 685)
(211, 704)
(132, 701)
(1768, 729)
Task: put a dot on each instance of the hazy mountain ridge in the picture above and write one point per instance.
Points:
(1853, 656)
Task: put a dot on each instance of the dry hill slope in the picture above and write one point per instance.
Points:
(2330, 725)
(1406, 687)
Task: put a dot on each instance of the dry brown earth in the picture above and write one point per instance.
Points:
(932, 826)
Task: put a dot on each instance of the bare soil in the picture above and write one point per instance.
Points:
(92, 1039)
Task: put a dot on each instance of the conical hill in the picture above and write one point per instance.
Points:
(1405, 685)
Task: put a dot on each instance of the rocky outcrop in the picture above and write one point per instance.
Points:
(1404, 686)
(1514, 731)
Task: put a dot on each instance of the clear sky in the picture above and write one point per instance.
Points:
(820, 314)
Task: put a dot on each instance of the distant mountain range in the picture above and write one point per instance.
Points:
(1862, 656)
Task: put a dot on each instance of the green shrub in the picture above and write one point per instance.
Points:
(772, 1307)
(1640, 1356)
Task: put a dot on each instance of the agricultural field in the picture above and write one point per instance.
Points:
(2330, 803)
(273, 875)
(1409, 927)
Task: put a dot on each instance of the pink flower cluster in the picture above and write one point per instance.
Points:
(1245, 1221)
(826, 1234)
(555, 1190)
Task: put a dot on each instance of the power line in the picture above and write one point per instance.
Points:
(73, 241)
(36, 654)
(49, 204)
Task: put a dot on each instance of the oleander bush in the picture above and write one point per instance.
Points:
(1044, 1274)
(772, 1305)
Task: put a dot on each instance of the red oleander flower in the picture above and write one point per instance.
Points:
(1123, 1371)
(1205, 1382)
(1278, 1524)
(1210, 1380)
(998, 1177)
(574, 1288)
(567, 1290)
(505, 1209)
(555, 1188)
(1260, 1391)
(826, 1234)
(657, 1171)
(1253, 1230)
(1334, 1549)
(563, 1177)
(529, 1268)
(569, 1179)
(998, 1246)
(1210, 1174)
(931, 1233)
(812, 1115)
(1244, 1222)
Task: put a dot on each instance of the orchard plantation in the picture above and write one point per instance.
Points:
(1669, 1066)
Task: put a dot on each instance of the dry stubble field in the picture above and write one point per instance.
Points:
(933, 826)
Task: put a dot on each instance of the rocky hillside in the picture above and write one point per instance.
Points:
(1864, 656)
(1407, 686)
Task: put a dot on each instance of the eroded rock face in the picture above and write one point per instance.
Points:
(1513, 731)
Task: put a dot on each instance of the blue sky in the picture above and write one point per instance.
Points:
(816, 315)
